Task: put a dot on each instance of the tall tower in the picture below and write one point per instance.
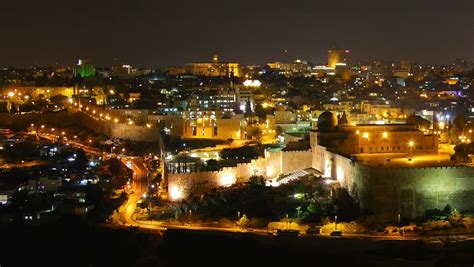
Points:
(336, 56)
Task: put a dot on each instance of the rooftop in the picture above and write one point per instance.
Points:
(400, 160)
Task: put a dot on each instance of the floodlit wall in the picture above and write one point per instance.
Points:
(119, 130)
(387, 192)
(184, 185)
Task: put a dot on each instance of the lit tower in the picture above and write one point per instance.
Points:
(336, 56)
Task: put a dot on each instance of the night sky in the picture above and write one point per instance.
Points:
(154, 33)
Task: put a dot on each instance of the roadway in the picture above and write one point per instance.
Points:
(138, 186)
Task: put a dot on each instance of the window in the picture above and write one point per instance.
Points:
(194, 130)
(215, 130)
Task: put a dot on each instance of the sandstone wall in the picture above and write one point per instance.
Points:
(22, 121)
(119, 130)
(387, 192)
(274, 164)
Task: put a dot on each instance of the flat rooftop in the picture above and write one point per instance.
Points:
(400, 160)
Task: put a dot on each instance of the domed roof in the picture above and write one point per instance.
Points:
(327, 120)
(417, 120)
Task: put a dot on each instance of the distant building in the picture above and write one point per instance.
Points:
(296, 68)
(336, 56)
(391, 170)
(84, 69)
(207, 125)
(344, 138)
(214, 68)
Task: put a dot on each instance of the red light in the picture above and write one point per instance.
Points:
(347, 51)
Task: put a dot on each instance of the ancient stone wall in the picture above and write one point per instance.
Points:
(387, 192)
(183, 185)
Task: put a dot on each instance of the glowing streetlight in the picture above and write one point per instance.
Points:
(410, 145)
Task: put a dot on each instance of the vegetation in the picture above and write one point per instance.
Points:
(462, 152)
(307, 200)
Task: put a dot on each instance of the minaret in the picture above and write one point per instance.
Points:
(435, 122)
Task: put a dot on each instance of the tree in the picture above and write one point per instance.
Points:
(114, 166)
(447, 209)
(21, 151)
(256, 181)
(58, 99)
(260, 111)
(248, 108)
(460, 120)
(279, 130)
(243, 222)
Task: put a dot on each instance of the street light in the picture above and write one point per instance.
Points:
(410, 145)
(335, 223)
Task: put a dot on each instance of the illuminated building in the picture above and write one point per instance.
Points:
(346, 139)
(85, 69)
(336, 56)
(295, 68)
(36, 91)
(207, 125)
(214, 68)
(389, 169)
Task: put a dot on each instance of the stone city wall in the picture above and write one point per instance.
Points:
(119, 130)
(69, 118)
(387, 192)
(184, 185)
(22, 121)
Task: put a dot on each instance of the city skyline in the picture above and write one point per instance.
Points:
(157, 34)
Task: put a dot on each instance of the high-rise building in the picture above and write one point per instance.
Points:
(84, 68)
(336, 56)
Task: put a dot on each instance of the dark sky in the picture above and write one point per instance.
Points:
(153, 33)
